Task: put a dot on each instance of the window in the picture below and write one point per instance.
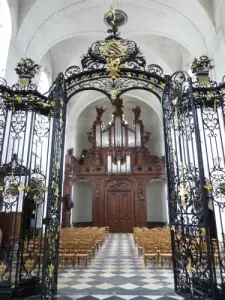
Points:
(44, 82)
(5, 34)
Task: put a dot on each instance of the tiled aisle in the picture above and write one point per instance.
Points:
(116, 272)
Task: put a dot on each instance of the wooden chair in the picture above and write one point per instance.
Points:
(150, 253)
(165, 255)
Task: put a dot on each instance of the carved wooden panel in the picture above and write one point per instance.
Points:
(141, 206)
(127, 211)
(113, 214)
(118, 184)
(97, 208)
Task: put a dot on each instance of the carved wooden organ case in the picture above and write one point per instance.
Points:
(118, 165)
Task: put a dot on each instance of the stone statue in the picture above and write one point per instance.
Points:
(119, 104)
(137, 112)
(141, 198)
(70, 151)
(68, 203)
(100, 111)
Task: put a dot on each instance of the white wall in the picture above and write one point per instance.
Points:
(218, 55)
(157, 210)
(14, 57)
(82, 199)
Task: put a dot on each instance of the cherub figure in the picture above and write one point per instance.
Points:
(100, 111)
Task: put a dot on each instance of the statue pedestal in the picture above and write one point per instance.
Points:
(67, 207)
(66, 219)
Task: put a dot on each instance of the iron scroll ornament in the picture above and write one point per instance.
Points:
(114, 66)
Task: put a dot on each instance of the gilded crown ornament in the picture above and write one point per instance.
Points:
(26, 70)
(201, 68)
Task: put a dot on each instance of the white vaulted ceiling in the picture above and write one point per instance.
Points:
(185, 25)
(56, 33)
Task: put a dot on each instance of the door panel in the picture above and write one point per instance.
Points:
(119, 211)
(113, 210)
(126, 211)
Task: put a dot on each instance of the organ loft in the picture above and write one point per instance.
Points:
(118, 165)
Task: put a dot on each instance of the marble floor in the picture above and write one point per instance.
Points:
(116, 273)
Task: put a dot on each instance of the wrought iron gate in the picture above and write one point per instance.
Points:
(32, 141)
(195, 139)
(32, 132)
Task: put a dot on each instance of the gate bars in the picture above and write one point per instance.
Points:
(194, 118)
(32, 133)
(32, 130)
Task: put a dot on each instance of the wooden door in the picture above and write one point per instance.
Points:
(119, 211)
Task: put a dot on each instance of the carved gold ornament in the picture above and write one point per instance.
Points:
(190, 271)
(208, 187)
(111, 14)
(2, 269)
(210, 95)
(29, 265)
(113, 49)
(23, 83)
(113, 67)
(51, 270)
(203, 80)
(183, 193)
(162, 85)
(175, 101)
(172, 228)
(114, 93)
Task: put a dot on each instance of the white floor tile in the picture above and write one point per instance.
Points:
(153, 286)
(107, 275)
(104, 286)
(128, 286)
(127, 275)
(81, 286)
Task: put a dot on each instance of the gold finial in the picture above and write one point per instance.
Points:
(111, 15)
(2, 269)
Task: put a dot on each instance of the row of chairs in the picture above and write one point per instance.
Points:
(153, 245)
(76, 245)
(79, 245)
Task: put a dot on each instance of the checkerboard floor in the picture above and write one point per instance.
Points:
(116, 273)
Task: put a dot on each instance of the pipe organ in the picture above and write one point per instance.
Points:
(118, 146)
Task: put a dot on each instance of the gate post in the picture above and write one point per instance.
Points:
(24, 147)
(67, 190)
(52, 220)
(187, 112)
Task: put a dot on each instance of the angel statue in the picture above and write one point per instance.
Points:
(68, 203)
(137, 112)
(100, 111)
(111, 16)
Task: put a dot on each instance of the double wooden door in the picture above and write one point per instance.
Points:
(119, 210)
